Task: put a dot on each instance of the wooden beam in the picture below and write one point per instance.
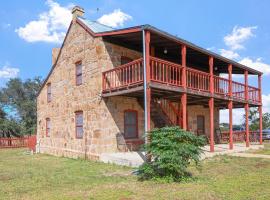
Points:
(260, 107)
(211, 110)
(230, 107)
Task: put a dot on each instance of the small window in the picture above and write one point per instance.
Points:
(49, 92)
(78, 73)
(130, 124)
(48, 127)
(79, 124)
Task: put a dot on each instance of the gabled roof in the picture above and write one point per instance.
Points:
(95, 26)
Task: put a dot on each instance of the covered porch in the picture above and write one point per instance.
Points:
(186, 76)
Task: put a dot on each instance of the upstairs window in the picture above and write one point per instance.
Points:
(79, 73)
(79, 124)
(48, 127)
(125, 60)
(130, 124)
(49, 92)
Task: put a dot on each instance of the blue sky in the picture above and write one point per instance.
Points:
(237, 29)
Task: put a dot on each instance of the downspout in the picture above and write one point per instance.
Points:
(144, 90)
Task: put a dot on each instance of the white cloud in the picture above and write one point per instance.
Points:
(115, 19)
(51, 26)
(9, 72)
(229, 54)
(256, 64)
(238, 36)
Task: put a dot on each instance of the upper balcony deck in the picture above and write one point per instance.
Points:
(166, 75)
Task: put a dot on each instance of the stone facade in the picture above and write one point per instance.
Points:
(103, 118)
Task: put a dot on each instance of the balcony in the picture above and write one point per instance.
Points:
(164, 73)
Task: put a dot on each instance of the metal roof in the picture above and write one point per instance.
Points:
(95, 26)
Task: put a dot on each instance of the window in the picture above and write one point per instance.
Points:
(79, 124)
(48, 127)
(78, 73)
(130, 124)
(49, 92)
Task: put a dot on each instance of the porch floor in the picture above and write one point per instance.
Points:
(135, 159)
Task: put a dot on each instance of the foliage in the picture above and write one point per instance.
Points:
(172, 150)
(19, 97)
(254, 120)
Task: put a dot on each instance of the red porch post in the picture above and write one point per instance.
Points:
(230, 107)
(260, 107)
(211, 103)
(246, 108)
(148, 89)
(184, 83)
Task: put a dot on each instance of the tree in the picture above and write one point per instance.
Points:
(253, 118)
(20, 99)
(172, 150)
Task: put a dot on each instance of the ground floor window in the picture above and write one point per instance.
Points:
(79, 124)
(130, 124)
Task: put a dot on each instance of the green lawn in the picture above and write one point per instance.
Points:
(24, 176)
(265, 150)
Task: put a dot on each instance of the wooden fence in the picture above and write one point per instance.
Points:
(28, 141)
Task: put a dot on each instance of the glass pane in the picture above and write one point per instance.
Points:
(79, 119)
(79, 79)
(130, 131)
(79, 69)
(79, 132)
(130, 118)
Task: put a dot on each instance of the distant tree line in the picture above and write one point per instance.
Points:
(18, 114)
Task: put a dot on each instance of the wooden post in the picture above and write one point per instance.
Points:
(260, 107)
(184, 84)
(211, 103)
(246, 108)
(148, 89)
(230, 107)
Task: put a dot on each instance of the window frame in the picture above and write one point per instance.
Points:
(136, 124)
(77, 113)
(78, 63)
(48, 133)
(49, 92)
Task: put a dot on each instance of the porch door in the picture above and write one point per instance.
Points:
(200, 125)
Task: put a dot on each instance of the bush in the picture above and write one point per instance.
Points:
(172, 150)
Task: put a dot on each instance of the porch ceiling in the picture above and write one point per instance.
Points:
(195, 58)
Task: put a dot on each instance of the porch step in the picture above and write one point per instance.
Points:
(157, 116)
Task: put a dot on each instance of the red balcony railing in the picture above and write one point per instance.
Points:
(13, 142)
(240, 136)
(238, 90)
(221, 85)
(165, 72)
(198, 80)
(123, 76)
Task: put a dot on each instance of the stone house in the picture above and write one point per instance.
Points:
(95, 99)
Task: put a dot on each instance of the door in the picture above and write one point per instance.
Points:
(200, 125)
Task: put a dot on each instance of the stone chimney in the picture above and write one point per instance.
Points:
(55, 52)
(77, 11)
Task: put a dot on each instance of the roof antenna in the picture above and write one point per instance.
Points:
(97, 10)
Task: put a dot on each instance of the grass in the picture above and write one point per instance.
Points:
(24, 176)
(265, 150)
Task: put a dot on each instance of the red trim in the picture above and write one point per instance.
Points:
(77, 113)
(48, 133)
(137, 132)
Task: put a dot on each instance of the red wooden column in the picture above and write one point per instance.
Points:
(184, 84)
(230, 107)
(246, 108)
(211, 102)
(260, 107)
(148, 89)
